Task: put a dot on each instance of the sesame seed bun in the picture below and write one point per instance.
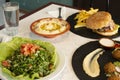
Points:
(98, 20)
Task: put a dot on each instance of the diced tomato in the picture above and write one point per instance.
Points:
(5, 63)
(117, 45)
(29, 48)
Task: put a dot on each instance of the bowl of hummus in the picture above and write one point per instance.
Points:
(50, 27)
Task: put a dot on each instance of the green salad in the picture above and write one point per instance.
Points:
(26, 59)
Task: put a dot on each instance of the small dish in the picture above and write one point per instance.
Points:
(50, 27)
(106, 42)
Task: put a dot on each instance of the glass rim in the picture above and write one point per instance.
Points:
(10, 4)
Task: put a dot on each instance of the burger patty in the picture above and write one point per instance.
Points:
(109, 27)
(104, 29)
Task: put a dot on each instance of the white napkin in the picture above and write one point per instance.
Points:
(55, 13)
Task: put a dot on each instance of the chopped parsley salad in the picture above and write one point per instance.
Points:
(26, 59)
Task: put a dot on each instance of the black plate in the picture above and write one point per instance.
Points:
(79, 55)
(85, 32)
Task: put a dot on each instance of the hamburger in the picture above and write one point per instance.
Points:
(102, 23)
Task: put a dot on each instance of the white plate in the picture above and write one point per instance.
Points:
(61, 62)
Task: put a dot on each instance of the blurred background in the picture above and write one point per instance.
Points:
(27, 6)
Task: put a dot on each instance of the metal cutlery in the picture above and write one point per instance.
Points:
(59, 16)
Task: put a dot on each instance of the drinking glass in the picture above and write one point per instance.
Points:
(11, 18)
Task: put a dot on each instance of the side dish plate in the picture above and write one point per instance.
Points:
(81, 52)
(49, 27)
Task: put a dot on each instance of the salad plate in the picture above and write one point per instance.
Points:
(57, 59)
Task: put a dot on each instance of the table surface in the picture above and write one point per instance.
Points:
(70, 40)
(70, 44)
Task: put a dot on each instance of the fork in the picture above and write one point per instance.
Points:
(59, 12)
